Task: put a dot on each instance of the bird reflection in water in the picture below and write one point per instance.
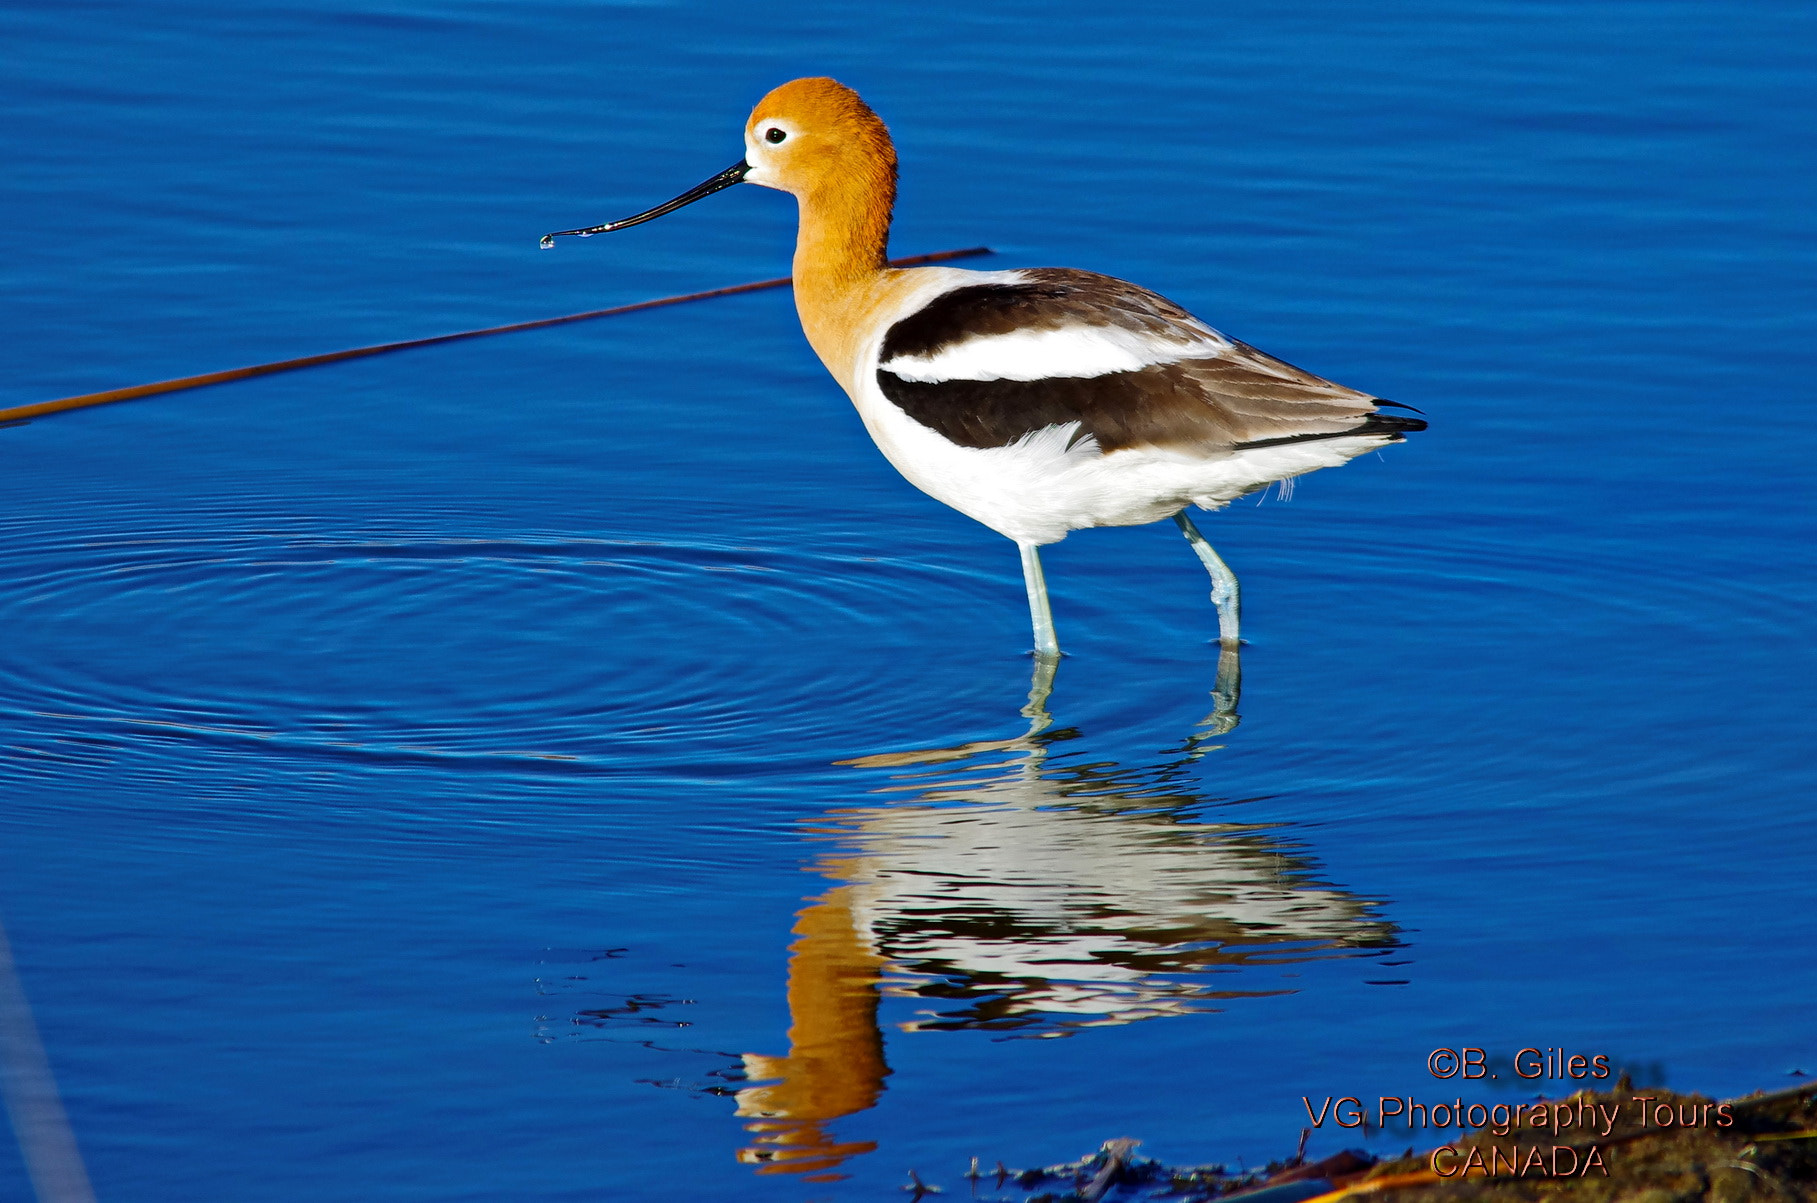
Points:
(1027, 892)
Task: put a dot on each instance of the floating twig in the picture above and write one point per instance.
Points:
(20, 413)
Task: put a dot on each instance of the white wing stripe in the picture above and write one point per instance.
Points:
(1074, 351)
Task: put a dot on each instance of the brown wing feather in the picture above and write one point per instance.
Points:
(1234, 397)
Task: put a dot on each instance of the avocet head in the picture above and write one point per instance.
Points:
(808, 136)
(811, 132)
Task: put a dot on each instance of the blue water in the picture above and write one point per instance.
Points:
(424, 777)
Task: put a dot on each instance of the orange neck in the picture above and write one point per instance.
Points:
(840, 256)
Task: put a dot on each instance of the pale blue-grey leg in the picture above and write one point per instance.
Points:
(1226, 694)
(1038, 610)
(1040, 688)
(1223, 580)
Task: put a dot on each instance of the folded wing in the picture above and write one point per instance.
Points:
(987, 364)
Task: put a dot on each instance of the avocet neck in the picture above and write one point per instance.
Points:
(841, 281)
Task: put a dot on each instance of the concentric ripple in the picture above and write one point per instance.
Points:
(419, 641)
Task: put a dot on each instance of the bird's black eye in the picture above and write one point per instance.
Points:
(774, 135)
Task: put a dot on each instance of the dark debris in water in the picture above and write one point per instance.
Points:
(1114, 1174)
(1767, 1153)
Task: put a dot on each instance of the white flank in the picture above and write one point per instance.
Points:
(1076, 351)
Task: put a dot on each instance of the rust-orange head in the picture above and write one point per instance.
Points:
(815, 136)
(816, 139)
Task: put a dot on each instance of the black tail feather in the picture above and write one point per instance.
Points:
(1382, 424)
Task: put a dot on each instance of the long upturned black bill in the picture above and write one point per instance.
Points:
(725, 179)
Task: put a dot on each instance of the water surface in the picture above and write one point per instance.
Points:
(575, 763)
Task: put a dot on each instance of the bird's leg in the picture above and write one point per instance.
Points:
(1223, 581)
(1040, 688)
(1045, 643)
(1226, 693)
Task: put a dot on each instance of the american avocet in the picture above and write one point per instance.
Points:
(1037, 401)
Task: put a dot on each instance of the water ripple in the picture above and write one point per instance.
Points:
(418, 644)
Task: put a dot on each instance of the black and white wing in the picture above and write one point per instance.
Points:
(986, 364)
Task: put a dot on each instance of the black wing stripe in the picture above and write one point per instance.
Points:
(1167, 405)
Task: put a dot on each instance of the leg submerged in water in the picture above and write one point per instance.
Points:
(1223, 580)
(1226, 693)
(1038, 610)
(1040, 688)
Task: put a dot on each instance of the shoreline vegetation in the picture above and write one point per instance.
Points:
(1660, 1147)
